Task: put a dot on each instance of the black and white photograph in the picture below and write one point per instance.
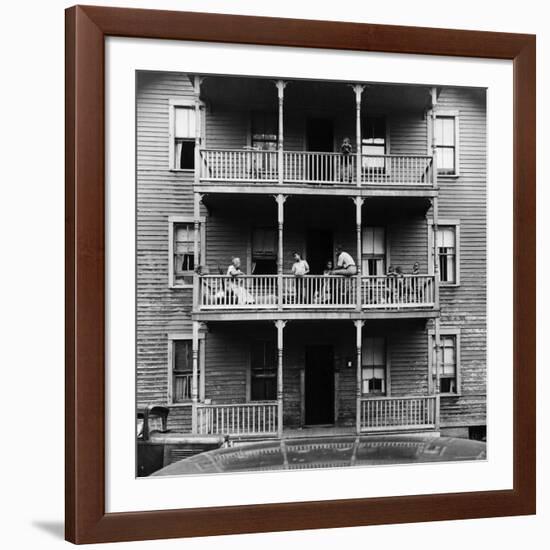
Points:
(311, 273)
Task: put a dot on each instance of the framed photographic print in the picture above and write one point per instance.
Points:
(300, 265)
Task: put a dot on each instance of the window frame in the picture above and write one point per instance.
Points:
(366, 256)
(451, 223)
(250, 370)
(189, 103)
(446, 331)
(387, 378)
(386, 168)
(187, 336)
(173, 220)
(250, 140)
(447, 113)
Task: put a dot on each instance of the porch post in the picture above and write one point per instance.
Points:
(358, 222)
(435, 213)
(280, 199)
(195, 380)
(280, 94)
(358, 89)
(433, 94)
(196, 248)
(280, 324)
(197, 80)
(359, 344)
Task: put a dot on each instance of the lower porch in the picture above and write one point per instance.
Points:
(303, 378)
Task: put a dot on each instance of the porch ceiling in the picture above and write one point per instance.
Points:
(220, 90)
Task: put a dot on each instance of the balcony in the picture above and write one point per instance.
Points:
(261, 293)
(253, 167)
(376, 414)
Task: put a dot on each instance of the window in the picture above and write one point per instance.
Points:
(448, 363)
(182, 370)
(373, 141)
(263, 371)
(264, 130)
(374, 251)
(373, 365)
(184, 132)
(264, 251)
(446, 251)
(446, 147)
(184, 259)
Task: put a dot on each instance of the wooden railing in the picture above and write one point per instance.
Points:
(238, 165)
(315, 291)
(251, 165)
(395, 413)
(256, 418)
(246, 291)
(396, 169)
(308, 167)
(397, 291)
(319, 291)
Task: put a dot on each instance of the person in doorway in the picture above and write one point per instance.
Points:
(300, 268)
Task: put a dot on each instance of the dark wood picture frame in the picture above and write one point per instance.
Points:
(86, 519)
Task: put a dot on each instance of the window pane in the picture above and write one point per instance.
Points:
(445, 131)
(373, 240)
(184, 122)
(446, 237)
(184, 154)
(368, 240)
(183, 355)
(448, 137)
(374, 351)
(446, 158)
(379, 240)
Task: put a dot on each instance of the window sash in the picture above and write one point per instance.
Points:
(182, 371)
(445, 140)
(184, 122)
(449, 362)
(373, 365)
(183, 250)
(446, 241)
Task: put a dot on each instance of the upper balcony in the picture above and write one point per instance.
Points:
(257, 135)
(251, 169)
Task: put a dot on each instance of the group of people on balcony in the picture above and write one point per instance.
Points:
(328, 291)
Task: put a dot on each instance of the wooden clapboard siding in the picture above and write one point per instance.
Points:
(408, 133)
(160, 194)
(464, 307)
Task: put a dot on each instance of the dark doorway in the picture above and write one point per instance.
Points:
(320, 135)
(319, 385)
(319, 247)
(320, 138)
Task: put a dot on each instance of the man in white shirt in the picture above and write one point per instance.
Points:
(345, 263)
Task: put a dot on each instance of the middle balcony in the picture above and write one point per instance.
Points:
(326, 257)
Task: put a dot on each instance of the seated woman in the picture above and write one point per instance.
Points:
(238, 294)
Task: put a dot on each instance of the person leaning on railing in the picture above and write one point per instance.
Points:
(239, 294)
(300, 268)
(346, 169)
